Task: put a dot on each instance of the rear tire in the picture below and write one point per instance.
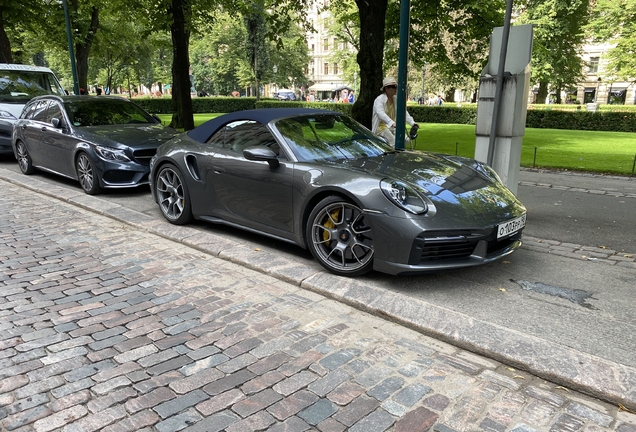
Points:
(24, 159)
(339, 237)
(173, 195)
(86, 174)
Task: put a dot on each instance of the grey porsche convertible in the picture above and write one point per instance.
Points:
(321, 180)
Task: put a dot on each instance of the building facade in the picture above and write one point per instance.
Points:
(598, 85)
(325, 74)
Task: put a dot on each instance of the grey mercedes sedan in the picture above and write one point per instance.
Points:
(102, 141)
(322, 181)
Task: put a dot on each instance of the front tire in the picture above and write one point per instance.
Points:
(24, 159)
(340, 238)
(86, 174)
(173, 195)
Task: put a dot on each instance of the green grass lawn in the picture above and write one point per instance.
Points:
(606, 152)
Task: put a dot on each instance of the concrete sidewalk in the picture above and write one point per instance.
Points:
(118, 327)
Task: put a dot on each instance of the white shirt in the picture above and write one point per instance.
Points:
(379, 113)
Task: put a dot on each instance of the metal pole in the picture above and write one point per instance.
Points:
(423, 78)
(71, 51)
(500, 79)
(400, 112)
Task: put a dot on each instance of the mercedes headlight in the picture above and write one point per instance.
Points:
(7, 115)
(111, 154)
(403, 196)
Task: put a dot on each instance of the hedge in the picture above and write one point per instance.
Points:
(608, 119)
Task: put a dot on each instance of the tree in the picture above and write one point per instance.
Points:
(16, 19)
(370, 57)
(117, 53)
(219, 63)
(614, 21)
(558, 37)
(256, 53)
(449, 37)
(180, 18)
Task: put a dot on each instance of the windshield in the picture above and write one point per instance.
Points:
(22, 86)
(329, 137)
(99, 111)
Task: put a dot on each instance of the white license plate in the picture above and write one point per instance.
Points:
(511, 227)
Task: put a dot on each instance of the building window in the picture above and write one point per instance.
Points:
(592, 66)
(325, 44)
(326, 69)
(335, 69)
(335, 43)
(313, 71)
(313, 48)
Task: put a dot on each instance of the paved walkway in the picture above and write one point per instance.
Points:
(108, 327)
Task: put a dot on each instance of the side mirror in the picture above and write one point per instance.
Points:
(261, 153)
(56, 122)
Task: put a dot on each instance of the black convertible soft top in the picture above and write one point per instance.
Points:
(264, 116)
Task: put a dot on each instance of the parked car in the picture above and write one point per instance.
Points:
(285, 94)
(18, 84)
(321, 180)
(102, 141)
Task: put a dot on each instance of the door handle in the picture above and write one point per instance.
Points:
(24, 127)
(218, 170)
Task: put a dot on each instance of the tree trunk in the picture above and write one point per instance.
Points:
(182, 115)
(5, 44)
(83, 48)
(543, 92)
(449, 95)
(370, 57)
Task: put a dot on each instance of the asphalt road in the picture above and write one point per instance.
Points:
(583, 304)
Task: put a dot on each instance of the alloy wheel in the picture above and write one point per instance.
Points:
(341, 239)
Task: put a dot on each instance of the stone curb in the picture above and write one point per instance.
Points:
(612, 382)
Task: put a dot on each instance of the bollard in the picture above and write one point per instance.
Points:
(534, 160)
(633, 166)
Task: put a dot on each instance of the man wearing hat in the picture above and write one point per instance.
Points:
(384, 112)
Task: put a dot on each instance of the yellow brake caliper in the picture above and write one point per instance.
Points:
(329, 224)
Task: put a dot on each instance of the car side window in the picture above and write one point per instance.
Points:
(248, 134)
(40, 112)
(54, 111)
(217, 139)
(238, 135)
(29, 110)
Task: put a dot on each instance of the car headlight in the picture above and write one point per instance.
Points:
(111, 154)
(403, 196)
(7, 115)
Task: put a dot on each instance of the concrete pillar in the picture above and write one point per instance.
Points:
(511, 120)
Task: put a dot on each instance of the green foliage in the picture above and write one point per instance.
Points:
(614, 21)
(199, 104)
(220, 63)
(443, 114)
(540, 118)
(558, 37)
(257, 55)
(339, 107)
(452, 37)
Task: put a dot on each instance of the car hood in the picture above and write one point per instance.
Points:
(461, 189)
(135, 136)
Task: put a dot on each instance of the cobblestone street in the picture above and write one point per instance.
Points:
(105, 327)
